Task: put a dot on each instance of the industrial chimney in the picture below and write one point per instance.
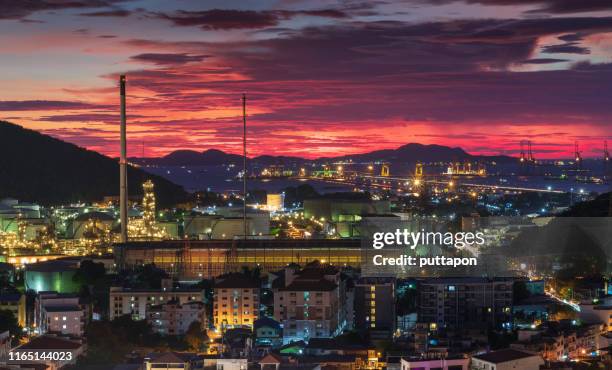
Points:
(123, 196)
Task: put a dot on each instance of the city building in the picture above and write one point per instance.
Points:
(597, 313)
(374, 302)
(16, 303)
(533, 310)
(273, 361)
(231, 364)
(342, 352)
(268, 332)
(60, 313)
(535, 287)
(173, 361)
(448, 363)
(506, 359)
(136, 302)
(465, 302)
(66, 320)
(236, 301)
(275, 202)
(560, 341)
(173, 318)
(310, 303)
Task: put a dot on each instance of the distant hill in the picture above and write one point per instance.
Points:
(190, 157)
(38, 168)
(409, 153)
(598, 207)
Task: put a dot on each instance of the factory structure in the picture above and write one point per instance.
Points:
(191, 260)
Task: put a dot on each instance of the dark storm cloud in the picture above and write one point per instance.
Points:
(25, 20)
(543, 6)
(351, 75)
(108, 13)
(225, 19)
(572, 37)
(569, 48)
(16, 9)
(327, 13)
(32, 105)
(508, 31)
(87, 117)
(168, 58)
(543, 61)
(385, 48)
(574, 6)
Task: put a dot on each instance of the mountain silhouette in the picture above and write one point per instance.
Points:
(409, 153)
(39, 168)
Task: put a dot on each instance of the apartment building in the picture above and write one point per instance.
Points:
(310, 303)
(447, 363)
(172, 361)
(236, 302)
(173, 318)
(507, 359)
(560, 341)
(137, 302)
(374, 303)
(60, 313)
(16, 303)
(465, 302)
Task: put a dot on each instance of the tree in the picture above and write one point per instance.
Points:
(8, 321)
(151, 276)
(89, 273)
(196, 338)
(252, 273)
(298, 194)
(520, 291)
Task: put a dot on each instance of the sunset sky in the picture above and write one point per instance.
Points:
(321, 77)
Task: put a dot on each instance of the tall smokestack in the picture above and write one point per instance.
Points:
(123, 196)
(244, 166)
